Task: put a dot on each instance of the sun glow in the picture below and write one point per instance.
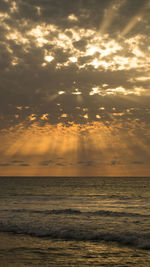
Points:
(94, 91)
(73, 79)
(49, 58)
(73, 59)
(72, 17)
(66, 146)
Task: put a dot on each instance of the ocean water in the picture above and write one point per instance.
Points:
(74, 221)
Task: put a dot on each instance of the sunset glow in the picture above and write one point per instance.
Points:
(75, 88)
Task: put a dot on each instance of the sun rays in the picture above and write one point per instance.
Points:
(109, 15)
(72, 84)
(78, 147)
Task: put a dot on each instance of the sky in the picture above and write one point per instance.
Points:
(75, 87)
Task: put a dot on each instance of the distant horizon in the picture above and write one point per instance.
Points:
(17, 176)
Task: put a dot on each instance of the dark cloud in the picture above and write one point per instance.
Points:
(131, 8)
(85, 163)
(17, 161)
(32, 30)
(60, 164)
(14, 163)
(4, 164)
(46, 162)
(24, 164)
(114, 162)
(137, 162)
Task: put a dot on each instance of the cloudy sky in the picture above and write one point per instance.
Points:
(75, 87)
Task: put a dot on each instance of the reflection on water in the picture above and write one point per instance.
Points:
(20, 251)
(74, 222)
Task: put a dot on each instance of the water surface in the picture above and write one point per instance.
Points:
(74, 221)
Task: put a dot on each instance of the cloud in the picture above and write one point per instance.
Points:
(28, 80)
(85, 163)
(24, 164)
(4, 164)
(45, 162)
(79, 65)
(60, 164)
(16, 161)
(114, 162)
(137, 162)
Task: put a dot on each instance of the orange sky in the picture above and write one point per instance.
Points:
(78, 150)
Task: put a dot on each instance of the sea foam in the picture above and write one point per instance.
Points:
(72, 224)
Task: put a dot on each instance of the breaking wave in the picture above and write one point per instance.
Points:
(133, 239)
(73, 224)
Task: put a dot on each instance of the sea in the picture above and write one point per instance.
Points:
(74, 221)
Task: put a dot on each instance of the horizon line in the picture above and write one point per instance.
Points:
(69, 176)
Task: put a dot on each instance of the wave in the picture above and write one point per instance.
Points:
(78, 212)
(58, 211)
(141, 241)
